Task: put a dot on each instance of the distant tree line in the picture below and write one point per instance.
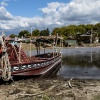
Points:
(73, 30)
(65, 31)
(36, 32)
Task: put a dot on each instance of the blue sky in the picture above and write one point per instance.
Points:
(25, 8)
(17, 15)
(29, 8)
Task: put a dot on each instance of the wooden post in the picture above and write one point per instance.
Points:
(44, 47)
(30, 49)
(20, 52)
(30, 44)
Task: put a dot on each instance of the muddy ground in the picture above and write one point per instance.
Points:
(51, 89)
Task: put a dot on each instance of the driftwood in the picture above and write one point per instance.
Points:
(26, 94)
(38, 94)
(69, 84)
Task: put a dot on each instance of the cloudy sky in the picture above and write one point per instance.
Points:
(17, 15)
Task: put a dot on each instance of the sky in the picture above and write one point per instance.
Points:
(17, 15)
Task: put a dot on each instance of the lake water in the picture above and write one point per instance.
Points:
(79, 63)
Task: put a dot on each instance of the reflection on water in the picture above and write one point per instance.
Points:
(81, 63)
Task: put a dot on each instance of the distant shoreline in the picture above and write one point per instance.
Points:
(84, 45)
(26, 46)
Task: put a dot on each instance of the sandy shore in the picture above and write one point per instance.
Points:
(51, 89)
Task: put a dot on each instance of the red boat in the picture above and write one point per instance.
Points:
(14, 62)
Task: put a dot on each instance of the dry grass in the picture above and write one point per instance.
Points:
(26, 46)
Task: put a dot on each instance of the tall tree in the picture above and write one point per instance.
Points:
(44, 32)
(48, 31)
(56, 30)
(23, 33)
(89, 27)
(36, 32)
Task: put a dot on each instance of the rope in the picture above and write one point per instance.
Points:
(15, 51)
(6, 72)
(5, 64)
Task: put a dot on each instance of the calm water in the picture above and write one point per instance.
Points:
(79, 63)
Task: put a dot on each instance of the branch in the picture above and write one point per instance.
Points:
(69, 84)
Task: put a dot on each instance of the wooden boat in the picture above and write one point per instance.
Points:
(14, 62)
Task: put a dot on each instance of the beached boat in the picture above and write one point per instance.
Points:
(14, 61)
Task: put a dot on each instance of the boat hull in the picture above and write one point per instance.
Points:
(40, 70)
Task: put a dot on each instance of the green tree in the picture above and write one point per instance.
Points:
(23, 33)
(89, 27)
(72, 30)
(48, 32)
(13, 35)
(97, 29)
(81, 29)
(44, 32)
(36, 32)
(56, 30)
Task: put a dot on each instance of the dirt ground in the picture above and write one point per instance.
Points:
(51, 89)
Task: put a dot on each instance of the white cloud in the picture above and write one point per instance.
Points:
(55, 14)
(3, 3)
(4, 14)
(52, 7)
(77, 11)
